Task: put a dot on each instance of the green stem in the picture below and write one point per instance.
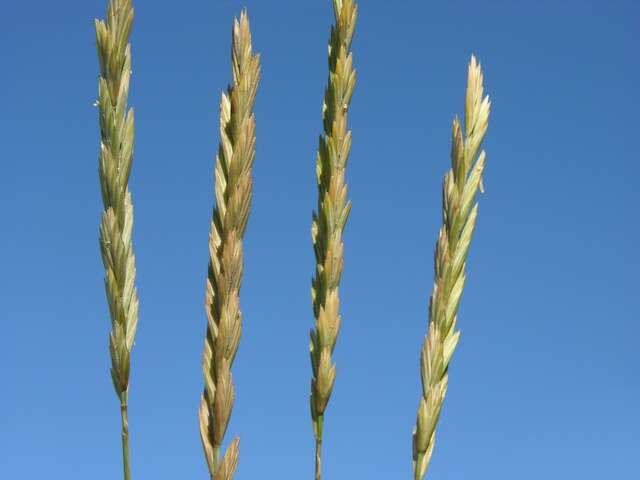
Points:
(125, 440)
(319, 426)
(318, 457)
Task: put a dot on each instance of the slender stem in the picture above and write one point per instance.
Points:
(318, 457)
(319, 426)
(125, 440)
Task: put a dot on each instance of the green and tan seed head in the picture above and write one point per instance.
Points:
(459, 214)
(116, 154)
(114, 167)
(233, 190)
(332, 211)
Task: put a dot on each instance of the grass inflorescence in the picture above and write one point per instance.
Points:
(233, 191)
(331, 215)
(116, 155)
(459, 213)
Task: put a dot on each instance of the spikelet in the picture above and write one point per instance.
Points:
(459, 214)
(116, 154)
(233, 190)
(331, 215)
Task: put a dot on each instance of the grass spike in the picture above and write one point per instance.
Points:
(460, 187)
(233, 191)
(331, 215)
(115, 158)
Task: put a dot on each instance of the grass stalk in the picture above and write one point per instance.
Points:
(124, 414)
(116, 155)
(233, 191)
(331, 215)
(459, 213)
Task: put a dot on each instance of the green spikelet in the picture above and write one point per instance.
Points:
(233, 189)
(459, 213)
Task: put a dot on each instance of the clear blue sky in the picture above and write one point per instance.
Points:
(545, 382)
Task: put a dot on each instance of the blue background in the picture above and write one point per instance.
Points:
(544, 383)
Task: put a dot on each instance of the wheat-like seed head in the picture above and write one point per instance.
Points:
(459, 214)
(233, 188)
(332, 211)
(116, 154)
